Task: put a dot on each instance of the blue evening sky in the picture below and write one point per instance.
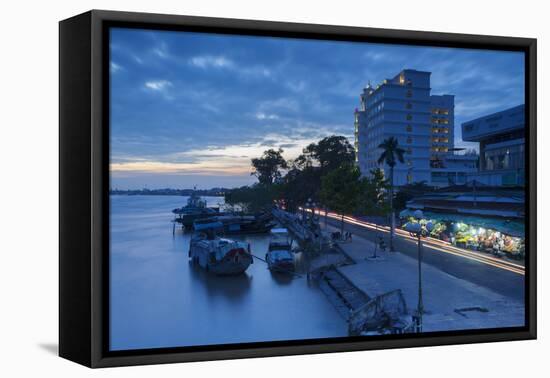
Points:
(193, 109)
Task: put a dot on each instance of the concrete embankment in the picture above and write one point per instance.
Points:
(345, 296)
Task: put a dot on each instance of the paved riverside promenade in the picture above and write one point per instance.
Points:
(450, 303)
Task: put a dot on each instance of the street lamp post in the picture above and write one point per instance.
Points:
(420, 305)
(307, 207)
(311, 206)
(419, 229)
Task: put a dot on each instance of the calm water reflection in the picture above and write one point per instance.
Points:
(159, 300)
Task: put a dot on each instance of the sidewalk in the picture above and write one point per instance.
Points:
(450, 303)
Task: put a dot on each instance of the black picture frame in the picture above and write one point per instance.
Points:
(84, 189)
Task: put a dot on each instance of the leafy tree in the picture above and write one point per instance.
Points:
(331, 153)
(302, 162)
(253, 199)
(341, 190)
(300, 185)
(373, 194)
(391, 154)
(302, 179)
(319, 159)
(268, 167)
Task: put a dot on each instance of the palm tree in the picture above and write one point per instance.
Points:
(391, 154)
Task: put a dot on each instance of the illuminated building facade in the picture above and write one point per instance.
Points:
(423, 124)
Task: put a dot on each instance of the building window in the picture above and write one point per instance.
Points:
(440, 111)
(505, 158)
(408, 105)
(401, 79)
(409, 93)
(409, 151)
(409, 117)
(436, 162)
(409, 140)
(409, 128)
(440, 130)
(442, 177)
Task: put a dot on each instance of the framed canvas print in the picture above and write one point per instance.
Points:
(234, 188)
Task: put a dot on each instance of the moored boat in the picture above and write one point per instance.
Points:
(245, 224)
(215, 254)
(279, 256)
(196, 208)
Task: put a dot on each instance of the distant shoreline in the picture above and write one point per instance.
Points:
(214, 192)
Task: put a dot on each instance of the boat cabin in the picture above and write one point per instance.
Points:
(280, 239)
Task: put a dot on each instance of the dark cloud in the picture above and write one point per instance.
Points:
(288, 145)
(269, 142)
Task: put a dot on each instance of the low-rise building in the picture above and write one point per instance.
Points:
(501, 138)
(453, 169)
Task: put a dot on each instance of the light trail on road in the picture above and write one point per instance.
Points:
(435, 244)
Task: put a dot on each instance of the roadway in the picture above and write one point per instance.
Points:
(498, 274)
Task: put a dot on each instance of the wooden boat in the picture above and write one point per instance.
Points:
(215, 254)
(279, 256)
(196, 208)
(245, 224)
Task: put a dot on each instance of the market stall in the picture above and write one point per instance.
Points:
(498, 236)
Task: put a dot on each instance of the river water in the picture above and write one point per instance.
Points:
(158, 299)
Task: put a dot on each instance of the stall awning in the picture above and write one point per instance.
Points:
(509, 227)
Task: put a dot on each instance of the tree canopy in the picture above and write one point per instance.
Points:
(300, 185)
(374, 190)
(325, 172)
(268, 167)
(391, 152)
(252, 199)
(331, 152)
(341, 190)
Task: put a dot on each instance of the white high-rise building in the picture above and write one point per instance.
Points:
(422, 123)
